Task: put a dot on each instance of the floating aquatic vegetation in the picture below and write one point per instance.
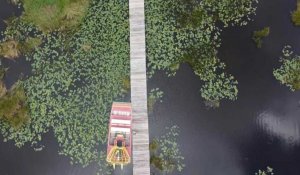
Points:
(187, 31)
(72, 87)
(289, 72)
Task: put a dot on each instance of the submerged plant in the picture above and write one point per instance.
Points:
(296, 15)
(165, 153)
(289, 72)
(268, 171)
(259, 35)
(154, 96)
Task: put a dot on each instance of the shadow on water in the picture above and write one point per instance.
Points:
(261, 128)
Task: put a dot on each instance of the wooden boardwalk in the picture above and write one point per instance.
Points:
(140, 140)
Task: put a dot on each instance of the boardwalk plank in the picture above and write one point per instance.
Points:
(140, 140)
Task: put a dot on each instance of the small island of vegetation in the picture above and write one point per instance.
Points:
(296, 15)
(259, 35)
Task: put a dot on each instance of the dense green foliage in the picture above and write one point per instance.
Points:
(49, 15)
(289, 72)
(75, 80)
(268, 171)
(259, 35)
(165, 153)
(296, 15)
(187, 31)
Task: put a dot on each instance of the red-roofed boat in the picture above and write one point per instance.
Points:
(119, 135)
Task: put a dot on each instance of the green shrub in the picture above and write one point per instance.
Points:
(289, 72)
(259, 35)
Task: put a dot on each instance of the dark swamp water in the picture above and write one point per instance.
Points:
(260, 129)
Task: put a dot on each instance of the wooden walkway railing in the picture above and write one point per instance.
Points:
(140, 140)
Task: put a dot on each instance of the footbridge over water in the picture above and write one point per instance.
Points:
(140, 140)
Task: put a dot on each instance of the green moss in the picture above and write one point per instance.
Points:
(49, 15)
(13, 107)
(259, 35)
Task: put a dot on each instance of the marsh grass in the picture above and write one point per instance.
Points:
(10, 49)
(13, 107)
(259, 35)
(49, 15)
(296, 15)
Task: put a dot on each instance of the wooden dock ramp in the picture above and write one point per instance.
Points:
(140, 140)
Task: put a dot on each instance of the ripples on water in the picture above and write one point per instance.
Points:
(285, 128)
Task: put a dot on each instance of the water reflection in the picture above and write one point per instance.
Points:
(285, 128)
